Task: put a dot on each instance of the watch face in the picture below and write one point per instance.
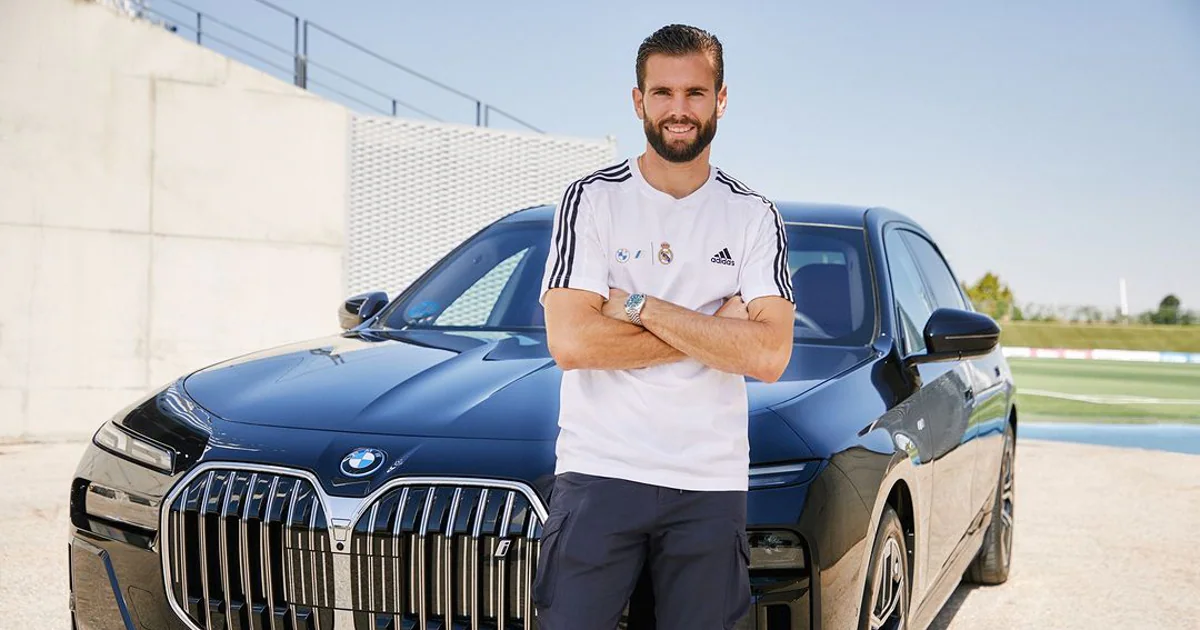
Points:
(633, 307)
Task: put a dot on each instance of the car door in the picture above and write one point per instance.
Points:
(985, 405)
(943, 392)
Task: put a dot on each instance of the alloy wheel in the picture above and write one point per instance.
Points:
(889, 588)
(1006, 500)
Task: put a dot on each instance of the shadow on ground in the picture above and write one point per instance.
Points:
(952, 606)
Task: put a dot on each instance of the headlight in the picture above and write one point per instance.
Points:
(775, 549)
(168, 422)
(772, 476)
(120, 442)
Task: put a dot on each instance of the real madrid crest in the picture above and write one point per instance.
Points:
(665, 256)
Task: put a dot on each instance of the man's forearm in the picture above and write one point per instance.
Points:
(603, 343)
(730, 345)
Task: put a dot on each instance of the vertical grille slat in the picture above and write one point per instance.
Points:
(291, 593)
(530, 548)
(206, 603)
(421, 561)
(227, 591)
(474, 559)
(445, 586)
(181, 567)
(244, 546)
(397, 566)
(461, 528)
(248, 548)
(264, 537)
(500, 565)
(370, 559)
(312, 558)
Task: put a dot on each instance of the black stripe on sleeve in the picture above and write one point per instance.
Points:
(564, 265)
(783, 281)
(561, 228)
(564, 235)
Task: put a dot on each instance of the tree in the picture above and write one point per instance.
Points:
(1089, 314)
(991, 296)
(1168, 310)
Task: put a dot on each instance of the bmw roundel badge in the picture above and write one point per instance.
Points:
(362, 461)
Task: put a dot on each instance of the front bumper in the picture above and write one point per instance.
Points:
(116, 586)
(118, 571)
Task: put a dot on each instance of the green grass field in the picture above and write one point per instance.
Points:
(1106, 391)
(1109, 336)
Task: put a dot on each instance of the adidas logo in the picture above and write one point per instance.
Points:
(723, 258)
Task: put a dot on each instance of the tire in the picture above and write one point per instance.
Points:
(991, 565)
(887, 589)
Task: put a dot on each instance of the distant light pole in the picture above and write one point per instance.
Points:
(1124, 301)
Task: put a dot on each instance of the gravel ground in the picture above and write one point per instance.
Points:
(1105, 537)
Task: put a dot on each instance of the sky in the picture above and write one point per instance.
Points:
(1056, 144)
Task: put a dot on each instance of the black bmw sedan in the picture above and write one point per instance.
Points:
(395, 475)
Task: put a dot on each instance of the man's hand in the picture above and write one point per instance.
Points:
(759, 346)
(615, 306)
(733, 308)
(582, 335)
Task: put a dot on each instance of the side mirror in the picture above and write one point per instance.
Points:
(360, 308)
(954, 334)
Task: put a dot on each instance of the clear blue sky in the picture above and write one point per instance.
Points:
(1055, 143)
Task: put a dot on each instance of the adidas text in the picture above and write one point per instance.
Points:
(723, 258)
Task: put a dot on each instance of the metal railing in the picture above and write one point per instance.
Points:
(193, 26)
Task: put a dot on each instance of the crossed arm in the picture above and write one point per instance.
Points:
(585, 331)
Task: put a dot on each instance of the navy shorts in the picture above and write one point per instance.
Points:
(601, 533)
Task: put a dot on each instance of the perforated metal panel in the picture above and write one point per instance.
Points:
(418, 189)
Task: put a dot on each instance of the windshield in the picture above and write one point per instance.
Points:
(492, 282)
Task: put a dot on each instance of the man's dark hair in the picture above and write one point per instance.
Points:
(677, 40)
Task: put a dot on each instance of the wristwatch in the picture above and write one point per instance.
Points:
(633, 307)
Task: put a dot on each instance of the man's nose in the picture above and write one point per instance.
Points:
(678, 105)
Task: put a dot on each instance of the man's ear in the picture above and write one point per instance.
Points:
(638, 107)
(721, 100)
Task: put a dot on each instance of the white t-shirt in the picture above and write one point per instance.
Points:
(682, 425)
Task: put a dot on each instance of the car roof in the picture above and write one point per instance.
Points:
(792, 212)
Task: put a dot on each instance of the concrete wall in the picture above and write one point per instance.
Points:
(161, 208)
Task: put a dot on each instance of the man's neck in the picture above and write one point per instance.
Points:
(675, 179)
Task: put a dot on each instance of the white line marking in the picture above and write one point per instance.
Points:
(1110, 400)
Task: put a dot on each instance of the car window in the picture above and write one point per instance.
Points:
(474, 306)
(835, 300)
(946, 293)
(912, 304)
(493, 282)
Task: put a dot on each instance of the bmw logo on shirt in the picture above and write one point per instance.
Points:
(362, 462)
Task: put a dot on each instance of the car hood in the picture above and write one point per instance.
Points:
(430, 383)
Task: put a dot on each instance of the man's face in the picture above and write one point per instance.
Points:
(680, 105)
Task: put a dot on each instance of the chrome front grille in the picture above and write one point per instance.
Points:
(255, 549)
(446, 553)
(249, 550)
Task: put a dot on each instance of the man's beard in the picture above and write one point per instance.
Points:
(680, 151)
